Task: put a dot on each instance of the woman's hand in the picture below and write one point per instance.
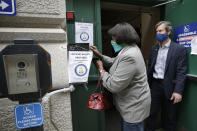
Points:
(96, 52)
(99, 65)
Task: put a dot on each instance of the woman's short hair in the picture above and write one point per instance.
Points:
(124, 33)
(168, 25)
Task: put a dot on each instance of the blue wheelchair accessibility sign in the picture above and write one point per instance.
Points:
(28, 115)
(8, 7)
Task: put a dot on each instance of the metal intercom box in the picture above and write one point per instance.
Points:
(25, 71)
(21, 73)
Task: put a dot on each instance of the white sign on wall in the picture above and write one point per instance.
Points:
(194, 46)
(84, 33)
(79, 66)
(79, 62)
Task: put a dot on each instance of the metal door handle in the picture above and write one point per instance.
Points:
(192, 77)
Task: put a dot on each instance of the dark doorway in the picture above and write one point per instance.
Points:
(143, 20)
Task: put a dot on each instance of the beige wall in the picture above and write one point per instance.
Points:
(41, 20)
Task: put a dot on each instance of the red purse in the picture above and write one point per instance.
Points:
(100, 101)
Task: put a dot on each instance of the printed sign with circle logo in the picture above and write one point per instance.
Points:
(84, 33)
(84, 36)
(79, 62)
(80, 70)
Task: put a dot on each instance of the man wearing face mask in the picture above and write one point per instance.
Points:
(166, 76)
(126, 79)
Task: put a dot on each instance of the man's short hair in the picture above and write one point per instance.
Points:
(168, 25)
(124, 33)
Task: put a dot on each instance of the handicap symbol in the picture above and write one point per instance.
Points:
(186, 28)
(28, 109)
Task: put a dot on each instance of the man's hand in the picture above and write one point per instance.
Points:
(176, 97)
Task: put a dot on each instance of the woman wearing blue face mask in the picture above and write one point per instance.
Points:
(126, 79)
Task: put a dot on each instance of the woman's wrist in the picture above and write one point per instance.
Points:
(100, 56)
(101, 71)
(100, 68)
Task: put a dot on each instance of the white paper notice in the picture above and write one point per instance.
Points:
(84, 33)
(79, 66)
(194, 46)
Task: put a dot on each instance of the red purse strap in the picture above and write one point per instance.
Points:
(99, 83)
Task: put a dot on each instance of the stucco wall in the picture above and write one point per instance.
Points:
(44, 21)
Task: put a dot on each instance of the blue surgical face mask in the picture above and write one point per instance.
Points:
(162, 37)
(117, 47)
